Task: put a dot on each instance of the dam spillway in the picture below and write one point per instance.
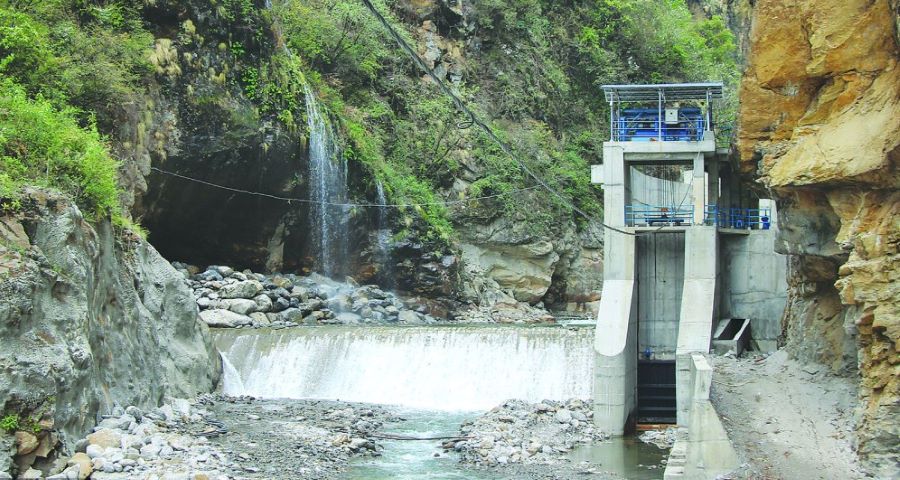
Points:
(449, 368)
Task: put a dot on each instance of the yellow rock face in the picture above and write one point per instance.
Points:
(820, 118)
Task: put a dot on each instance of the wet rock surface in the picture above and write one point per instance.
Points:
(519, 432)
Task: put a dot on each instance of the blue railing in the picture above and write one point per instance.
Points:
(737, 218)
(645, 125)
(636, 215)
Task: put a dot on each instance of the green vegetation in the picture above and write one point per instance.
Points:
(531, 68)
(40, 145)
(66, 66)
(10, 422)
(536, 74)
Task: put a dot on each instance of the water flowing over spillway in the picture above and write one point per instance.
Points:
(451, 368)
(327, 189)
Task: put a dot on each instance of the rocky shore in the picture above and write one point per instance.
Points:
(231, 299)
(223, 438)
(519, 432)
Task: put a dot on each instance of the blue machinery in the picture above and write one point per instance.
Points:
(631, 119)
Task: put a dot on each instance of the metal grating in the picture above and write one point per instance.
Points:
(667, 92)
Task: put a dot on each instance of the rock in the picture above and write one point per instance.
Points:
(260, 319)
(94, 451)
(280, 304)
(222, 270)
(150, 452)
(409, 316)
(241, 276)
(240, 306)
(563, 416)
(222, 318)
(31, 474)
(282, 282)
(339, 303)
(105, 438)
(135, 412)
(71, 473)
(263, 303)
(348, 318)
(146, 341)
(291, 315)
(806, 134)
(243, 289)
(26, 442)
(83, 462)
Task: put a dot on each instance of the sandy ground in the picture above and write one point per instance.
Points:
(786, 420)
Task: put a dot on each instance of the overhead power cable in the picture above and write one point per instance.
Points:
(339, 204)
(475, 120)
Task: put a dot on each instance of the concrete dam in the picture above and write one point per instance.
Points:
(448, 368)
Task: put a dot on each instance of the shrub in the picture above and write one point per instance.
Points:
(41, 145)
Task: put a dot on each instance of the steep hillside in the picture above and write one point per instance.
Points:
(820, 129)
(242, 94)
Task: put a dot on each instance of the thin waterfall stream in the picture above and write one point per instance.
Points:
(328, 191)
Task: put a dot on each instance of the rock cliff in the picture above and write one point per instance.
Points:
(90, 319)
(820, 129)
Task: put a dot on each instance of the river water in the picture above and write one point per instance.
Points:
(436, 377)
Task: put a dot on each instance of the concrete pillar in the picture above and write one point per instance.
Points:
(699, 188)
(614, 183)
(615, 341)
(699, 304)
(712, 182)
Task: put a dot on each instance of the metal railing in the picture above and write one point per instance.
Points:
(739, 218)
(671, 215)
(651, 215)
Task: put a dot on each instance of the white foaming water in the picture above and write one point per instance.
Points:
(384, 238)
(327, 189)
(458, 368)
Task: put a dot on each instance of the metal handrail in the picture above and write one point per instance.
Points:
(736, 218)
(658, 214)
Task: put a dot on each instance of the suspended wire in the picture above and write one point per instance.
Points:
(475, 120)
(339, 204)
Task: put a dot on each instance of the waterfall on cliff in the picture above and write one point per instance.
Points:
(441, 368)
(383, 253)
(327, 187)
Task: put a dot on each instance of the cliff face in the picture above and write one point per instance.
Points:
(820, 129)
(89, 320)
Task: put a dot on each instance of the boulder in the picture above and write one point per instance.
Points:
(26, 442)
(260, 319)
(105, 438)
(409, 316)
(348, 318)
(263, 303)
(222, 318)
(83, 462)
(242, 289)
(239, 305)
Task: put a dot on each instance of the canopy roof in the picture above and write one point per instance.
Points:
(670, 92)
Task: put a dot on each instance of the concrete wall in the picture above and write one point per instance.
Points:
(702, 450)
(754, 283)
(660, 270)
(615, 341)
(647, 190)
